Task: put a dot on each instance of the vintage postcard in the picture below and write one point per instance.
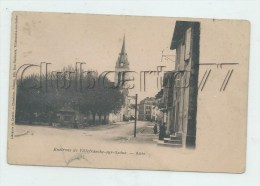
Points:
(128, 92)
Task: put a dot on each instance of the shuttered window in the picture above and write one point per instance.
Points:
(187, 44)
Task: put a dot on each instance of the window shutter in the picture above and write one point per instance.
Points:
(187, 44)
(182, 61)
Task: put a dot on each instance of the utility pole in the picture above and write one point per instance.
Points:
(135, 114)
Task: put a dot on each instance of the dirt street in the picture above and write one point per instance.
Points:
(121, 132)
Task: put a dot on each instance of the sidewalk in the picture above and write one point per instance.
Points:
(145, 135)
(122, 123)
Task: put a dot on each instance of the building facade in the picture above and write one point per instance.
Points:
(180, 87)
(168, 101)
(145, 109)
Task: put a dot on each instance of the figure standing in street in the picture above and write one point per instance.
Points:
(155, 129)
(162, 131)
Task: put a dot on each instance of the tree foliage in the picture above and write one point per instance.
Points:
(86, 92)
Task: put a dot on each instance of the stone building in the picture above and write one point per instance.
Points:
(181, 86)
(145, 109)
(168, 101)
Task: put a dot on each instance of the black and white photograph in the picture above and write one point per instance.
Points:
(128, 92)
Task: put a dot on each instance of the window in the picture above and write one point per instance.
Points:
(182, 56)
(187, 44)
(178, 80)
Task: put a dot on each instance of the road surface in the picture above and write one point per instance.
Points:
(122, 132)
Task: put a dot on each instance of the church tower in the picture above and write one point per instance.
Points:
(122, 65)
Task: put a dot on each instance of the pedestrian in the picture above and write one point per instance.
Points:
(155, 128)
(162, 131)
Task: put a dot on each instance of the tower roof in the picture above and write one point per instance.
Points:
(122, 61)
(123, 46)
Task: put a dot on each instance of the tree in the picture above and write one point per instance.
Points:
(44, 96)
(101, 99)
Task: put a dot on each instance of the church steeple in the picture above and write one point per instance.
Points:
(121, 77)
(122, 61)
(123, 46)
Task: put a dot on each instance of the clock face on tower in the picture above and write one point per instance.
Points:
(121, 64)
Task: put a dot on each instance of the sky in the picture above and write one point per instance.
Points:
(64, 39)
